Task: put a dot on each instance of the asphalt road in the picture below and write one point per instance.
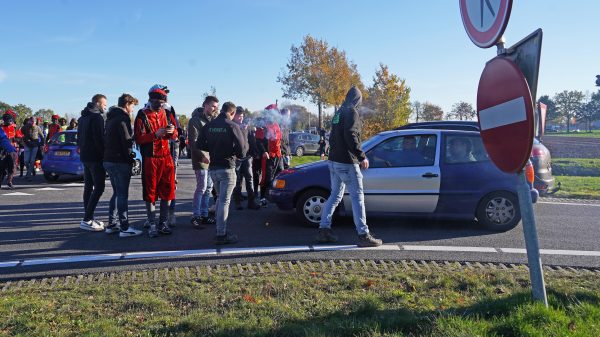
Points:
(40, 235)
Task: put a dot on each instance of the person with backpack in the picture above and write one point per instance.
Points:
(32, 138)
(152, 130)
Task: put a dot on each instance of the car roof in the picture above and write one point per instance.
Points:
(429, 131)
(444, 125)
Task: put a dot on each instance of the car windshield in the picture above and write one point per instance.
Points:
(64, 138)
(367, 144)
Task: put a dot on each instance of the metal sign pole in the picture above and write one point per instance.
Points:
(538, 287)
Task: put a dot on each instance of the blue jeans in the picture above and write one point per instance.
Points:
(224, 180)
(204, 185)
(120, 176)
(343, 175)
(93, 180)
(29, 157)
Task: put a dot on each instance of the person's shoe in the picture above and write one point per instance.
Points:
(263, 202)
(208, 220)
(10, 186)
(172, 220)
(226, 239)
(253, 205)
(197, 222)
(367, 240)
(130, 232)
(112, 228)
(325, 235)
(99, 223)
(163, 228)
(91, 226)
(212, 209)
(238, 206)
(147, 223)
(152, 231)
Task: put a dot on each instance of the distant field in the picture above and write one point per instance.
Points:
(593, 134)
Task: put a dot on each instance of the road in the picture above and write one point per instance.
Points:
(40, 236)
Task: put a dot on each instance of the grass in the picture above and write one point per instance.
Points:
(593, 163)
(304, 160)
(582, 133)
(358, 303)
(578, 187)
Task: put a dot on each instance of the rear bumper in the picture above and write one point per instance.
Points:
(62, 168)
(284, 199)
(543, 184)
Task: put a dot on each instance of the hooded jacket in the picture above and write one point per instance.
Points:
(195, 124)
(90, 134)
(118, 139)
(344, 141)
(224, 140)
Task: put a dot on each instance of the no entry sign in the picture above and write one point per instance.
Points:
(505, 113)
(485, 20)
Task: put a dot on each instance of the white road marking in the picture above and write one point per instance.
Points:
(506, 113)
(17, 194)
(513, 250)
(567, 203)
(71, 259)
(73, 185)
(331, 247)
(553, 252)
(49, 189)
(451, 249)
(170, 253)
(259, 250)
(9, 264)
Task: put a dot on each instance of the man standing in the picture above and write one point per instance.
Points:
(152, 131)
(32, 138)
(224, 141)
(90, 139)
(273, 157)
(118, 158)
(346, 159)
(243, 167)
(200, 161)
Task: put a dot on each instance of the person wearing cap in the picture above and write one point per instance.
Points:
(152, 130)
(224, 141)
(243, 167)
(63, 123)
(53, 128)
(72, 124)
(90, 139)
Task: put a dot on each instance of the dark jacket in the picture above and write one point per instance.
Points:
(118, 136)
(195, 124)
(344, 141)
(224, 141)
(90, 134)
(32, 135)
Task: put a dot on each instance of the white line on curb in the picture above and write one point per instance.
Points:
(71, 259)
(170, 253)
(258, 250)
(567, 203)
(451, 249)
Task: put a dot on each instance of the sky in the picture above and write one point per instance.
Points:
(58, 53)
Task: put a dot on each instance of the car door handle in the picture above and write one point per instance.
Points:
(430, 175)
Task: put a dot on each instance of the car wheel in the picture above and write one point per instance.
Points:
(299, 151)
(136, 169)
(499, 211)
(50, 177)
(310, 205)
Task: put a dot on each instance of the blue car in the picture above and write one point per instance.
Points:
(443, 174)
(61, 157)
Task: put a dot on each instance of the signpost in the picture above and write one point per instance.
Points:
(505, 109)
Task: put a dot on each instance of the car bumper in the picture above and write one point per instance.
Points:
(544, 185)
(63, 168)
(284, 199)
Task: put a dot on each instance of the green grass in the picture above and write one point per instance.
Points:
(582, 133)
(578, 187)
(593, 163)
(304, 160)
(359, 303)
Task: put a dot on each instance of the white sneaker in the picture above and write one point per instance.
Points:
(172, 220)
(130, 232)
(91, 226)
(99, 223)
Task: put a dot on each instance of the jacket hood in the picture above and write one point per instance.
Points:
(91, 108)
(199, 112)
(115, 111)
(353, 98)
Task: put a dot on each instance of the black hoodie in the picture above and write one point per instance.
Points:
(90, 134)
(118, 139)
(225, 142)
(344, 141)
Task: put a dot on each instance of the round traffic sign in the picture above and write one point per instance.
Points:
(485, 20)
(505, 114)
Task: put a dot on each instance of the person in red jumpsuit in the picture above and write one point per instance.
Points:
(13, 134)
(53, 128)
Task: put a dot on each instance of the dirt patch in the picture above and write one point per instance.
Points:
(572, 147)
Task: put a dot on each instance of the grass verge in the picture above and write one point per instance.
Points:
(304, 160)
(376, 302)
(578, 187)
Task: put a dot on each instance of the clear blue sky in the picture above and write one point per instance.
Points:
(57, 54)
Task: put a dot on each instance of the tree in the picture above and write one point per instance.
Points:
(4, 107)
(183, 120)
(302, 119)
(321, 74)
(590, 111)
(432, 112)
(22, 111)
(46, 114)
(417, 110)
(211, 92)
(568, 103)
(462, 111)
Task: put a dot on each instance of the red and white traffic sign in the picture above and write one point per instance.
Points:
(505, 114)
(485, 20)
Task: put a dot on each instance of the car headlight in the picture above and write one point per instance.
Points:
(279, 183)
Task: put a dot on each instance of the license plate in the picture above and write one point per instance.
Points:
(62, 153)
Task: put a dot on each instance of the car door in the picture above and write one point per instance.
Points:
(313, 143)
(404, 175)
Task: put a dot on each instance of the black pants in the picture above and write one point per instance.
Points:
(274, 166)
(93, 178)
(244, 172)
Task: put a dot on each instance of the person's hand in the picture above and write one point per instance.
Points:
(170, 129)
(205, 160)
(266, 155)
(364, 164)
(160, 133)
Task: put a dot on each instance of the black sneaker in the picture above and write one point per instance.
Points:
(112, 228)
(226, 239)
(367, 240)
(163, 228)
(253, 205)
(208, 220)
(325, 235)
(238, 206)
(197, 222)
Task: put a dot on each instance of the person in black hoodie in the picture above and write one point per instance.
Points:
(224, 141)
(90, 139)
(346, 159)
(118, 158)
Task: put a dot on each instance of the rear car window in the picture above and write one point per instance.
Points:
(64, 138)
(460, 149)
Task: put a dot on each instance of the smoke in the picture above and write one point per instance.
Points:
(267, 117)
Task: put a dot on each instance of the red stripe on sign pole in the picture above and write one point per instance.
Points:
(505, 114)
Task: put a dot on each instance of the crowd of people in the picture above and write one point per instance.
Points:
(226, 154)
